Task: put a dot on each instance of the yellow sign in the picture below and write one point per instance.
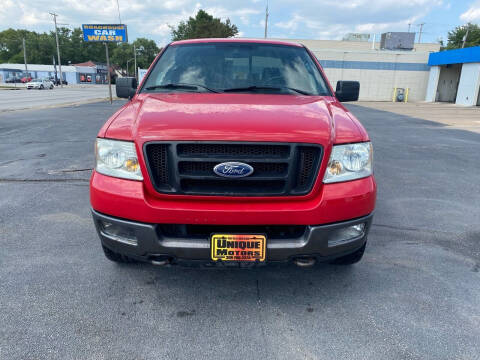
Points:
(230, 247)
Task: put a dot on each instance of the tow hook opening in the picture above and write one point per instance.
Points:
(305, 261)
(160, 260)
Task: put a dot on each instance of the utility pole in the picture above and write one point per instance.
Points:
(266, 20)
(55, 69)
(409, 25)
(119, 17)
(58, 48)
(25, 57)
(465, 37)
(420, 33)
(135, 60)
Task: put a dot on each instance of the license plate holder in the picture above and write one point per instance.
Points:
(238, 247)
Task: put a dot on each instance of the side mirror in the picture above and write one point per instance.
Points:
(126, 87)
(347, 90)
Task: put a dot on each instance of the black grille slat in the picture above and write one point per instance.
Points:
(204, 231)
(158, 160)
(206, 168)
(187, 168)
(232, 187)
(233, 150)
(306, 165)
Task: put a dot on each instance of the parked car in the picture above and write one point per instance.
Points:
(40, 84)
(13, 79)
(233, 152)
(26, 79)
(57, 81)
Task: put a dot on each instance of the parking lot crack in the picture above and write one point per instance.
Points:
(63, 171)
(42, 180)
(405, 228)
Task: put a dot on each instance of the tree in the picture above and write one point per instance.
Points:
(41, 48)
(455, 37)
(146, 52)
(203, 25)
(122, 54)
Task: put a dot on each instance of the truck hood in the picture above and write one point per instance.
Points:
(233, 117)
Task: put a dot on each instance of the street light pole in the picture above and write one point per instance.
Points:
(128, 72)
(58, 48)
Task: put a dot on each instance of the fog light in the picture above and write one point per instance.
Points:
(121, 233)
(343, 235)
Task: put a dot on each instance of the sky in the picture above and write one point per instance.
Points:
(299, 19)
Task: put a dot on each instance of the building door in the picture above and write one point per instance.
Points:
(448, 83)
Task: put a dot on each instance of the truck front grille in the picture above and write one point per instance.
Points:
(187, 168)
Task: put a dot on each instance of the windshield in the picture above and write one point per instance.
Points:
(236, 67)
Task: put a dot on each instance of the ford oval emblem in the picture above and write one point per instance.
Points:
(233, 169)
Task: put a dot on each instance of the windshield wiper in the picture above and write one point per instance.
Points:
(255, 87)
(180, 86)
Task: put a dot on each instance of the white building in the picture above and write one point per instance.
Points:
(455, 76)
(378, 71)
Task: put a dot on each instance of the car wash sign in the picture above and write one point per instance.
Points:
(105, 32)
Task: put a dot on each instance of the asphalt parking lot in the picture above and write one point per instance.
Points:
(415, 295)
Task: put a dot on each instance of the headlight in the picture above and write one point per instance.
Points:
(349, 162)
(117, 158)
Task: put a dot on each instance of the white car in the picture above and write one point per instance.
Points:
(40, 84)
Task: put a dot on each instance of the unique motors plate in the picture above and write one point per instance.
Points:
(238, 247)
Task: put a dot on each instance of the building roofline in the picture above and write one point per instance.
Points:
(457, 56)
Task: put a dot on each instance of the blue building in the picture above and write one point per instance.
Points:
(89, 74)
(455, 76)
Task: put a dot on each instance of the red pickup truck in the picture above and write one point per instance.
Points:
(233, 152)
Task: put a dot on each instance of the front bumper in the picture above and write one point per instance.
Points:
(322, 242)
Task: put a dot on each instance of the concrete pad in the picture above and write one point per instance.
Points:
(451, 115)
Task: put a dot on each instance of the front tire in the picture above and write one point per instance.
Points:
(352, 258)
(116, 257)
(41, 87)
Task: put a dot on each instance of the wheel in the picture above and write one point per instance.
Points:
(41, 87)
(116, 257)
(51, 87)
(350, 258)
